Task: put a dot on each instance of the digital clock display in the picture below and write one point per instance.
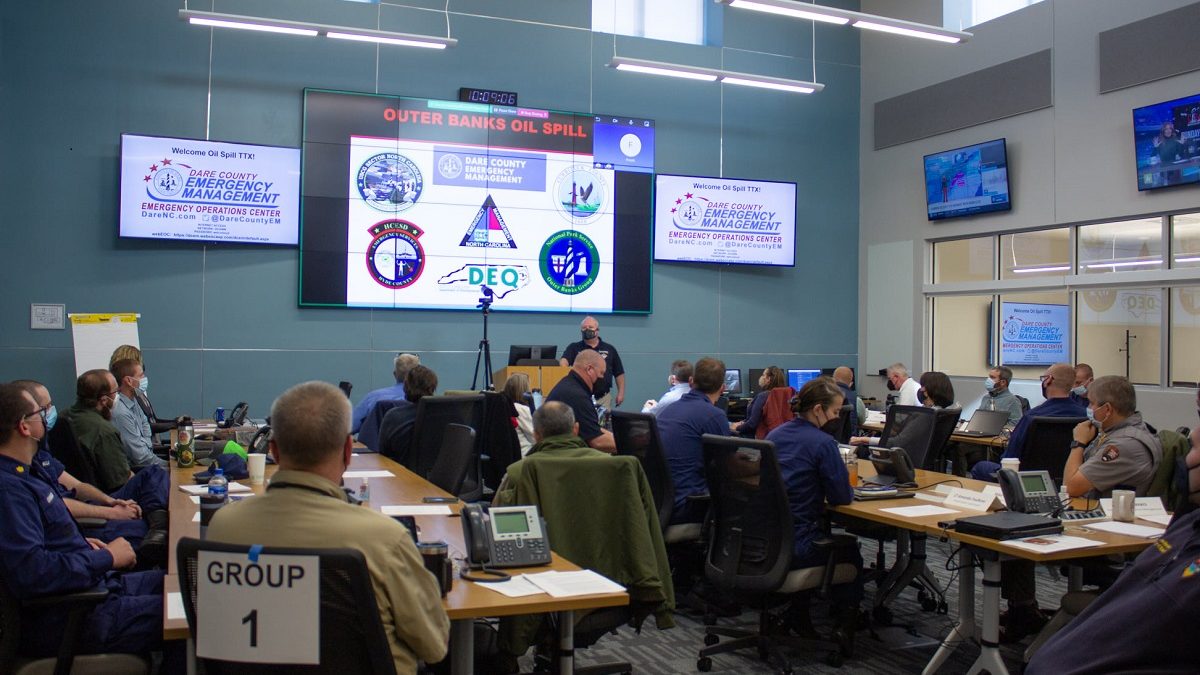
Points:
(470, 95)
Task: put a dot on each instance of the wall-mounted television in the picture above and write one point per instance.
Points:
(968, 180)
(1034, 334)
(1166, 143)
(413, 203)
(724, 220)
(182, 188)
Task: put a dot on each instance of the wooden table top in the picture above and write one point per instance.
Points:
(875, 511)
(466, 599)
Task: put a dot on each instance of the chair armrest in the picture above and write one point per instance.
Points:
(91, 523)
(835, 542)
(699, 499)
(91, 596)
(162, 426)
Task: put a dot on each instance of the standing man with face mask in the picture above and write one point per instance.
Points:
(128, 418)
(590, 330)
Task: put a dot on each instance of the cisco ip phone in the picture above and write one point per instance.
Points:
(1029, 491)
(505, 536)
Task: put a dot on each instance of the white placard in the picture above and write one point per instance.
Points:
(415, 510)
(266, 611)
(971, 500)
(96, 336)
(369, 473)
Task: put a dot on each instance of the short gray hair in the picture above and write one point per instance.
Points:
(554, 418)
(404, 363)
(1115, 391)
(310, 422)
(898, 369)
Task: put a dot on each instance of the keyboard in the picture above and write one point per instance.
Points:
(1083, 516)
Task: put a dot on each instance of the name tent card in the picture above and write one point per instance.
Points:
(972, 501)
(258, 608)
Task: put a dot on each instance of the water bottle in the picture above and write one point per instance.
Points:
(364, 491)
(218, 485)
(185, 446)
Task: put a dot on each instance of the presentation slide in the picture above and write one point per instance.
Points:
(724, 220)
(1034, 334)
(179, 188)
(416, 203)
(967, 180)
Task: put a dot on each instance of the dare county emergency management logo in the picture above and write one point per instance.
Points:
(1012, 328)
(390, 182)
(569, 262)
(688, 212)
(450, 166)
(580, 194)
(395, 258)
(164, 180)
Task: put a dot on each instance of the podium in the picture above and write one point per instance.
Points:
(540, 377)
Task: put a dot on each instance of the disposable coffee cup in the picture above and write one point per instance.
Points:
(1010, 463)
(257, 465)
(1122, 505)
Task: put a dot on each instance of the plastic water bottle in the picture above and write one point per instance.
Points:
(364, 491)
(218, 485)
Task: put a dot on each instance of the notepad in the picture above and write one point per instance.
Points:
(1128, 529)
(516, 587)
(919, 511)
(567, 584)
(415, 510)
(379, 473)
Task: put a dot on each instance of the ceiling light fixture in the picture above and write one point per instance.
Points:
(713, 75)
(238, 21)
(805, 10)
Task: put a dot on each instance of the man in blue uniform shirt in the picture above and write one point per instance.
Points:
(42, 551)
(1147, 621)
(680, 427)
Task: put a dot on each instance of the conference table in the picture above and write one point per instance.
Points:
(999, 441)
(465, 602)
(991, 551)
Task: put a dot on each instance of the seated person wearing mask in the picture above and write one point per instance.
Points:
(575, 390)
(1056, 383)
(1084, 375)
(1146, 621)
(813, 473)
(904, 386)
(935, 391)
(998, 396)
(127, 416)
(772, 377)
(681, 373)
(680, 428)
(305, 506)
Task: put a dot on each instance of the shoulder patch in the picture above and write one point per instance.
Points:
(1192, 568)
(1110, 453)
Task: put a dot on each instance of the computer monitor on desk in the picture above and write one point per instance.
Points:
(797, 377)
(533, 355)
(733, 382)
(755, 374)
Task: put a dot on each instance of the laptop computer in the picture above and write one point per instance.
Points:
(985, 423)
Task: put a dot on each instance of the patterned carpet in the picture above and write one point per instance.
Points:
(676, 650)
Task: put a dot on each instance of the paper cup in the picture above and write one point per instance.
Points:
(257, 463)
(1010, 463)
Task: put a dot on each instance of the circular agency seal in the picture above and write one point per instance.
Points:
(390, 182)
(395, 259)
(688, 212)
(1012, 328)
(569, 262)
(165, 181)
(580, 195)
(450, 166)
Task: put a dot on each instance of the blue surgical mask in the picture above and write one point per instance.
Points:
(1079, 391)
(144, 384)
(989, 384)
(51, 417)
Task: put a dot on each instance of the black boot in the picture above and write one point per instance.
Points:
(157, 520)
(153, 551)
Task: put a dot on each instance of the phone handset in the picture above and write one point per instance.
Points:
(237, 416)
(475, 535)
(1010, 486)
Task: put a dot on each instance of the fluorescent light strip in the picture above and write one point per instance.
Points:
(910, 32)
(794, 12)
(713, 74)
(242, 25)
(669, 72)
(1125, 263)
(401, 42)
(1050, 268)
(1186, 260)
(218, 20)
(761, 84)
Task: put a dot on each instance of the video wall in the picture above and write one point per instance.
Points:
(415, 203)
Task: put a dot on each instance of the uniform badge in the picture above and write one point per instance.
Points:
(1192, 568)
(20, 469)
(1162, 545)
(1110, 453)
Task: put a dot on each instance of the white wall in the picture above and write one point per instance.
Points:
(1069, 163)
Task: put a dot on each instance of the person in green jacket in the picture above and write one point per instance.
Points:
(555, 431)
(91, 421)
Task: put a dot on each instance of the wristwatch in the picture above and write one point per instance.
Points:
(1077, 444)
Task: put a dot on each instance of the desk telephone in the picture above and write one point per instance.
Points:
(1033, 492)
(237, 416)
(506, 536)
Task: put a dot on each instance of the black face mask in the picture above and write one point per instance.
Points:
(891, 386)
(832, 426)
(588, 334)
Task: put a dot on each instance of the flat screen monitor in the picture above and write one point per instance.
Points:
(754, 375)
(969, 180)
(1034, 334)
(519, 353)
(413, 203)
(724, 220)
(1166, 143)
(208, 191)
(733, 381)
(797, 377)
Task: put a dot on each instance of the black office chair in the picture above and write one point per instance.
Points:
(910, 427)
(434, 414)
(499, 446)
(636, 435)
(944, 423)
(1024, 403)
(1047, 445)
(77, 606)
(352, 638)
(454, 458)
(368, 433)
(847, 423)
(750, 548)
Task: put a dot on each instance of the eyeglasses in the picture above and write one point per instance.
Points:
(40, 412)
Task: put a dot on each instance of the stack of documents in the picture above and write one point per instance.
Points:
(556, 584)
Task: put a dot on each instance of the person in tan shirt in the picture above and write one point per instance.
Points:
(305, 506)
